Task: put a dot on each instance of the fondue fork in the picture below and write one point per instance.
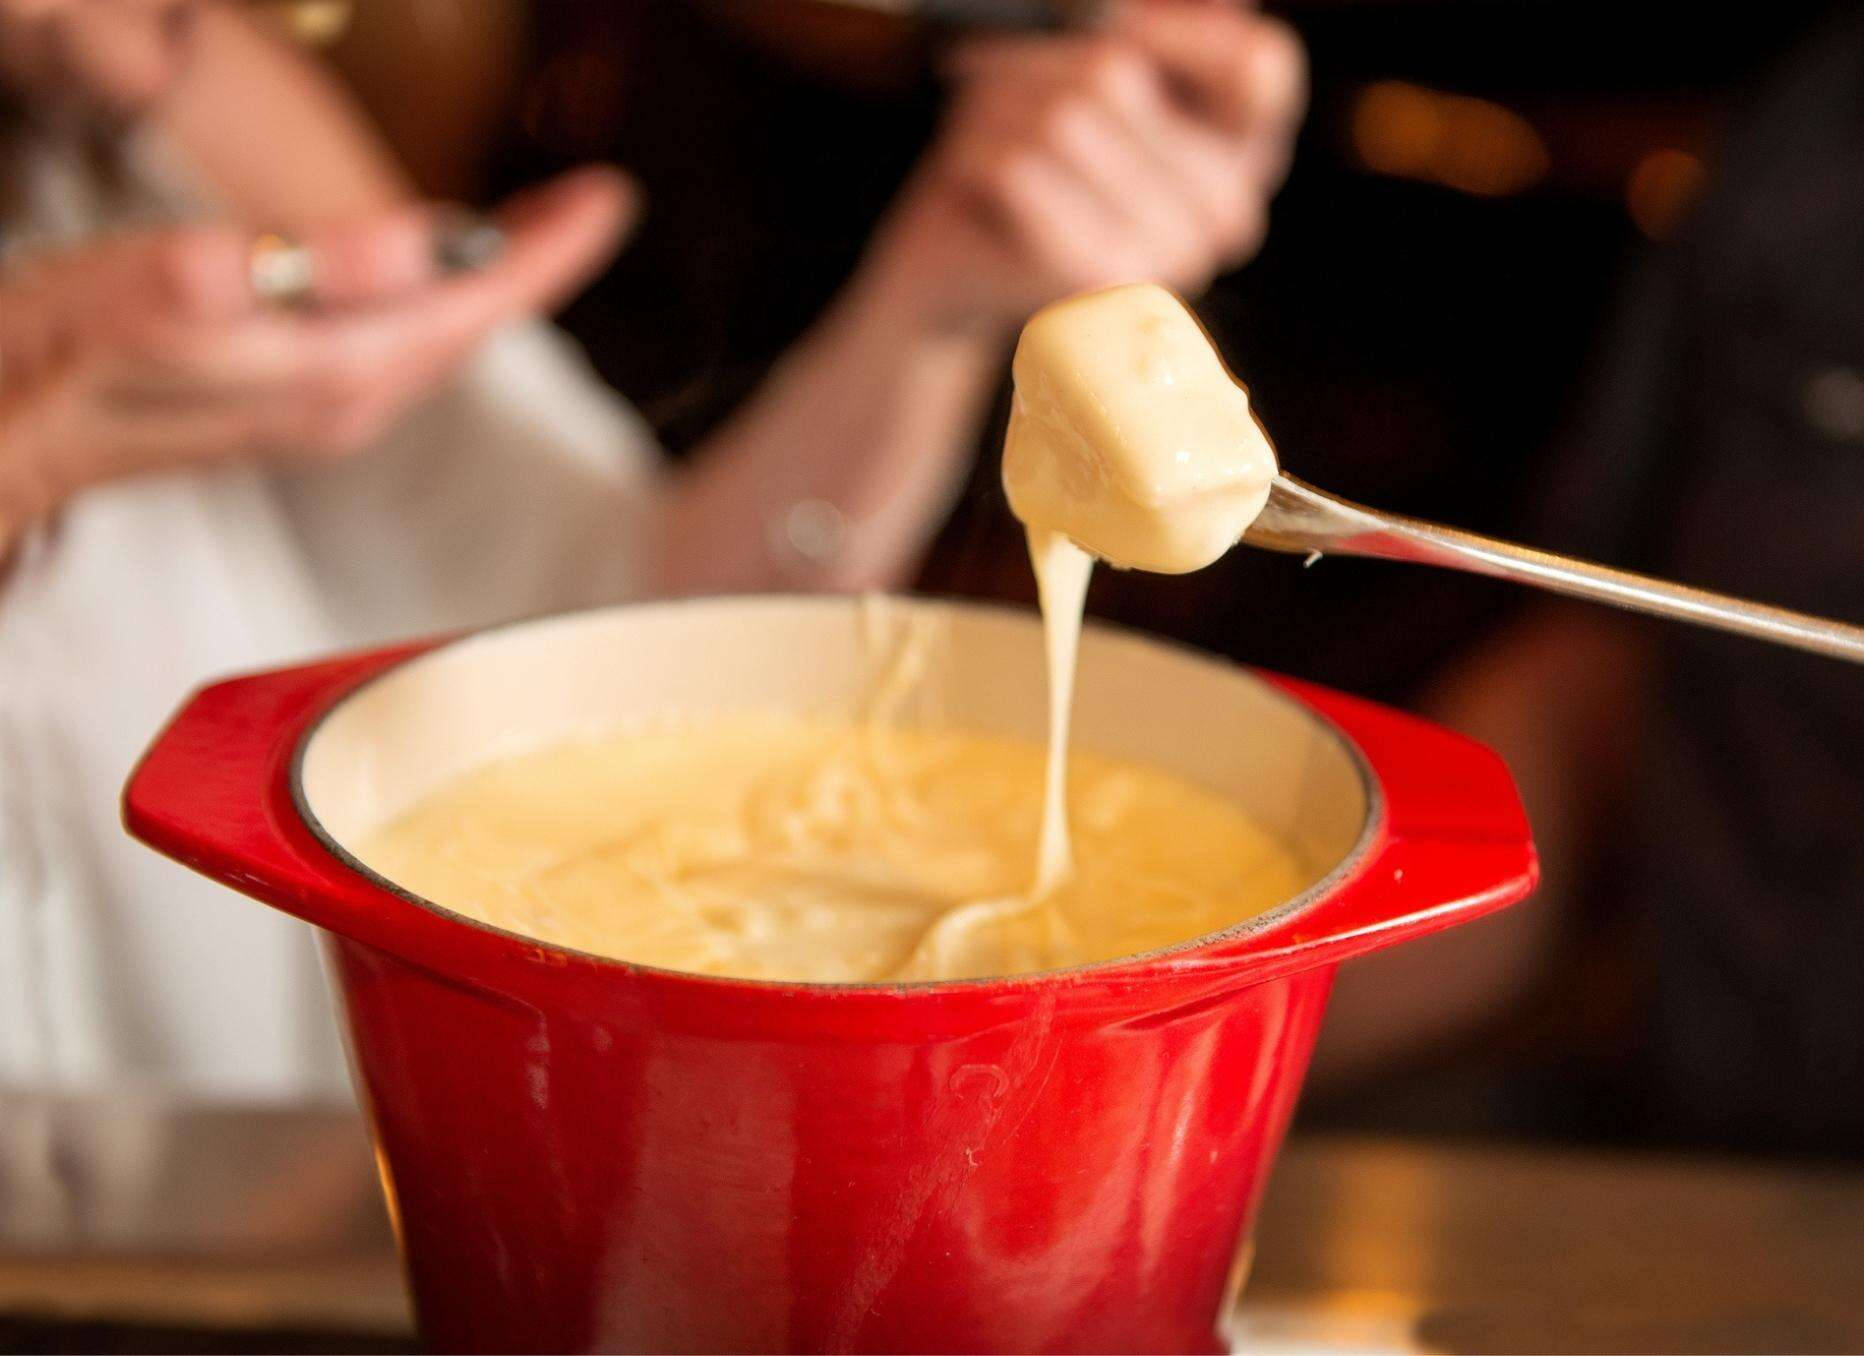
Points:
(1305, 521)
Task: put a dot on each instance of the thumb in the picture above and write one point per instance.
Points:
(376, 258)
(577, 220)
(1236, 68)
(561, 234)
(557, 237)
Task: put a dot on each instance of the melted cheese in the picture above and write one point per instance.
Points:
(1129, 437)
(1128, 440)
(768, 847)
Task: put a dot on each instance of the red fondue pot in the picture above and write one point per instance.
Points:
(583, 1154)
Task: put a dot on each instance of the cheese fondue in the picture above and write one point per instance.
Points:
(1129, 437)
(770, 847)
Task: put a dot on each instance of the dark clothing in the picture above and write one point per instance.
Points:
(1726, 448)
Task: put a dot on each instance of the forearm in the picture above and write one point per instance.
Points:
(272, 131)
(873, 413)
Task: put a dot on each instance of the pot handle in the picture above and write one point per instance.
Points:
(214, 789)
(1454, 845)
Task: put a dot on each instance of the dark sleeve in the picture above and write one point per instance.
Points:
(1705, 423)
(1603, 486)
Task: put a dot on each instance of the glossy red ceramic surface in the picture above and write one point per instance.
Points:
(583, 1155)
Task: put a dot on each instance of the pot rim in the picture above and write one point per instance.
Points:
(1356, 858)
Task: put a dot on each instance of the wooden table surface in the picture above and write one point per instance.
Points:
(1482, 1249)
(151, 1229)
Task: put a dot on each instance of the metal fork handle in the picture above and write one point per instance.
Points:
(1301, 519)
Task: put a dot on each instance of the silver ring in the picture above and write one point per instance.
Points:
(283, 272)
(465, 242)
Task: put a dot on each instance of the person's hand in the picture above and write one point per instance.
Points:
(151, 351)
(1147, 150)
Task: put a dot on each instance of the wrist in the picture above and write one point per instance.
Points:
(902, 291)
(885, 330)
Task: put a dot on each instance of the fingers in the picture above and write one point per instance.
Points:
(246, 360)
(1137, 187)
(90, 435)
(562, 234)
(381, 295)
(1157, 188)
(1219, 182)
(1054, 215)
(201, 276)
(557, 238)
(167, 358)
(360, 263)
(180, 437)
(188, 275)
(1194, 187)
(204, 275)
(151, 288)
(332, 380)
(1242, 71)
(554, 238)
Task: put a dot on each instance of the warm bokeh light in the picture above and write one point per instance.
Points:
(1661, 189)
(1461, 142)
(315, 23)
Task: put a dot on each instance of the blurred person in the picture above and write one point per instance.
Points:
(1698, 798)
(193, 480)
(178, 495)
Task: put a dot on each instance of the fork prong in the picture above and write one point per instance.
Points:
(1300, 519)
